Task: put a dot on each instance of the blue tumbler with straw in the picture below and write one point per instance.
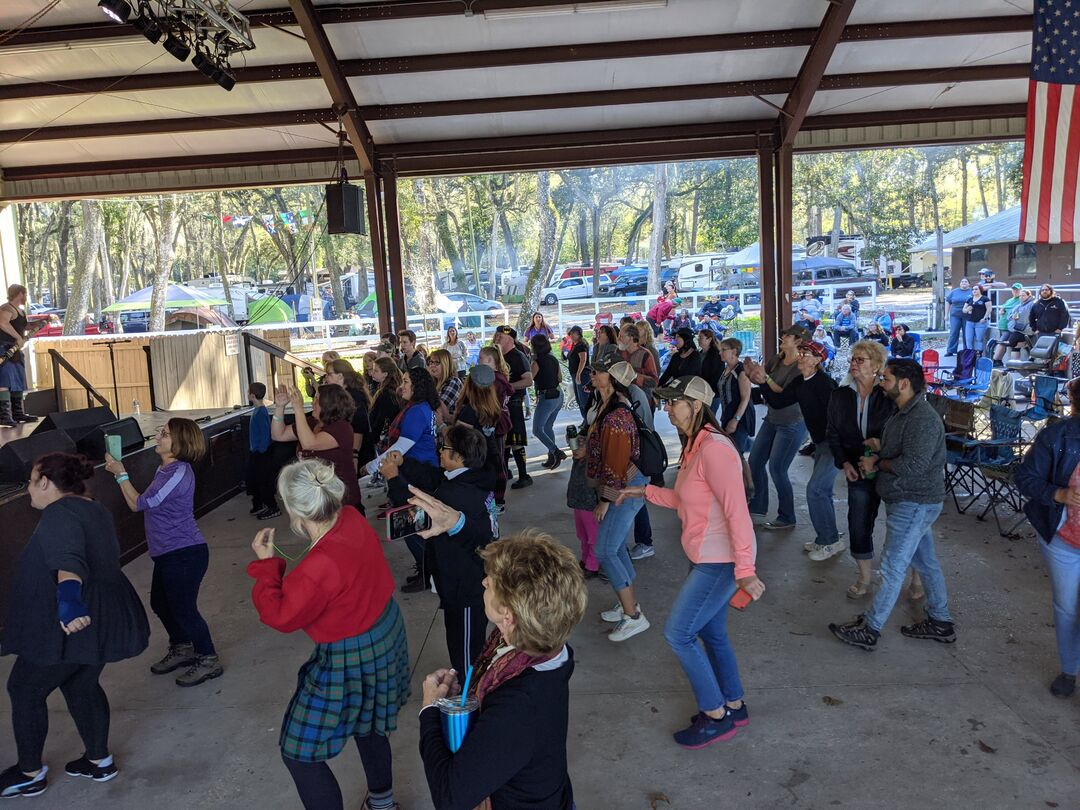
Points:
(457, 715)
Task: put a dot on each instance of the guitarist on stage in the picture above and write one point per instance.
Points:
(14, 332)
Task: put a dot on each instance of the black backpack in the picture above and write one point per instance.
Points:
(652, 457)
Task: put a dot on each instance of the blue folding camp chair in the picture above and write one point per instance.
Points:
(987, 459)
(980, 382)
(1044, 391)
(961, 375)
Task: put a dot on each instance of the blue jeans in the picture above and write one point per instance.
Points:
(851, 334)
(612, 535)
(582, 397)
(1063, 563)
(820, 495)
(975, 335)
(643, 526)
(544, 420)
(773, 451)
(956, 331)
(700, 611)
(909, 541)
(863, 503)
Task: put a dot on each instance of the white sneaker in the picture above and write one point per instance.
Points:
(613, 615)
(629, 627)
(811, 546)
(831, 550)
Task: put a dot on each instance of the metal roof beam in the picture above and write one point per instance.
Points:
(328, 15)
(336, 83)
(677, 138)
(814, 65)
(600, 98)
(515, 57)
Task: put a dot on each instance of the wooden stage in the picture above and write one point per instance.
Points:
(219, 476)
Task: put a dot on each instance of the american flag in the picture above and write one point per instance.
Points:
(1050, 202)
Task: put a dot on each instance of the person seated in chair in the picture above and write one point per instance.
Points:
(845, 325)
(805, 321)
(903, 344)
(875, 332)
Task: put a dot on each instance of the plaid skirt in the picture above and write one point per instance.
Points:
(352, 687)
(518, 436)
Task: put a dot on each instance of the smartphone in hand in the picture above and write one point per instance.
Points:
(741, 599)
(406, 520)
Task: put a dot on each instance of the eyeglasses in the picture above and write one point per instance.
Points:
(858, 361)
(163, 433)
(444, 446)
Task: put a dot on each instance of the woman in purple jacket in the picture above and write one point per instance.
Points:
(178, 550)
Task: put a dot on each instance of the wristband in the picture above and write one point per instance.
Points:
(122, 478)
(458, 526)
(69, 604)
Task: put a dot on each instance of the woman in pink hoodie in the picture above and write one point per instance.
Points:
(718, 537)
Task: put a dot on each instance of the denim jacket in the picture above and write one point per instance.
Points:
(1047, 467)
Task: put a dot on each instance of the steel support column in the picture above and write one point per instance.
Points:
(770, 329)
(782, 198)
(393, 249)
(375, 231)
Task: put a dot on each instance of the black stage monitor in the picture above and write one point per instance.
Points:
(344, 209)
(76, 423)
(92, 445)
(17, 457)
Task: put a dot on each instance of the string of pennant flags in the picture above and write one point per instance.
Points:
(288, 220)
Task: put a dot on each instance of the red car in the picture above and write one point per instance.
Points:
(55, 326)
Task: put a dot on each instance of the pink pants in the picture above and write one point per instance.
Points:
(586, 526)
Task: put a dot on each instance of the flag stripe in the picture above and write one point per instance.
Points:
(1072, 165)
(1058, 158)
(1046, 184)
(1033, 154)
(1029, 137)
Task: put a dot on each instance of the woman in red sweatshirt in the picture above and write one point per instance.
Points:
(718, 537)
(340, 594)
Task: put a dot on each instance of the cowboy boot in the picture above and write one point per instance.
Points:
(18, 414)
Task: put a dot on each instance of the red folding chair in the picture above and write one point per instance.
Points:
(931, 364)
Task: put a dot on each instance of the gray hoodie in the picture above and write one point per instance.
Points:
(1019, 317)
(914, 439)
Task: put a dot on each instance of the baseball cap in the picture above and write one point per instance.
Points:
(507, 330)
(802, 334)
(986, 271)
(623, 372)
(604, 364)
(482, 376)
(816, 349)
(686, 388)
(1018, 286)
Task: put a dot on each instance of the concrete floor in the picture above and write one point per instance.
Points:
(911, 724)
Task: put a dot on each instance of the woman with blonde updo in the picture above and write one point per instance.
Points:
(341, 595)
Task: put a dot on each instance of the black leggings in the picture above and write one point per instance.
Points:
(30, 685)
(174, 596)
(319, 789)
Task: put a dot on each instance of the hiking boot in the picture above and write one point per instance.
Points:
(629, 626)
(1063, 686)
(13, 782)
(931, 629)
(521, 483)
(642, 550)
(823, 553)
(84, 767)
(857, 633)
(179, 655)
(204, 668)
(811, 546)
(704, 731)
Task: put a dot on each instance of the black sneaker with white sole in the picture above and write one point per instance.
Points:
(13, 782)
(269, 514)
(857, 633)
(84, 767)
(932, 630)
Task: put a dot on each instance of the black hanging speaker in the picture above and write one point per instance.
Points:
(75, 423)
(17, 457)
(93, 446)
(344, 209)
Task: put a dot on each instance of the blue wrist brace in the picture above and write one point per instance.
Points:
(69, 604)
